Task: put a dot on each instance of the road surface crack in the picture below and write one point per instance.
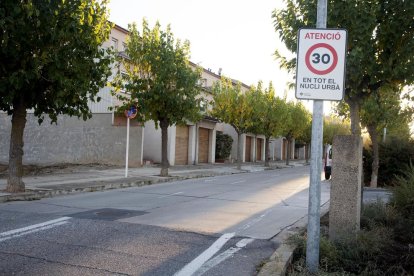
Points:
(63, 263)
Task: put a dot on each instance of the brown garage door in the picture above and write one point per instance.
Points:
(284, 149)
(259, 149)
(181, 145)
(203, 141)
(248, 149)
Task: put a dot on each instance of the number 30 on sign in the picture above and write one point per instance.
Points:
(320, 68)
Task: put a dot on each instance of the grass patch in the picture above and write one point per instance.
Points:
(380, 248)
(383, 246)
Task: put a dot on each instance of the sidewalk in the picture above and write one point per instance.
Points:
(92, 179)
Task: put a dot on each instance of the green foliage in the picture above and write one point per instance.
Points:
(51, 55)
(378, 214)
(385, 109)
(231, 105)
(377, 249)
(297, 121)
(333, 126)
(296, 125)
(360, 255)
(256, 100)
(403, 192)
(224, 143)
(52, 61)
(328, 253)
(306, 136)
(395, 154)
(158, 77)
(269, 111)
(380, 42)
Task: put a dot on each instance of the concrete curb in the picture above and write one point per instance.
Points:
(39, 193)
(282, 257)
(377, 189)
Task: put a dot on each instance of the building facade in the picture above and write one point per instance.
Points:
(102, 139)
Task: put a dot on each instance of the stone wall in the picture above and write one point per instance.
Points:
(345, 201)
(73, 140)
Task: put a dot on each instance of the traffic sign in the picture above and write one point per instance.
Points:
(320, 64)
(131, 112)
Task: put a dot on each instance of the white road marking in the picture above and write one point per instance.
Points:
(32, 228)
(255, 220)
(171, 195)
(222, 257)
(236, 182)
(195, 264)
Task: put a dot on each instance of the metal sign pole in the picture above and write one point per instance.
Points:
(127, 149)
(313, 234)
(130, 113)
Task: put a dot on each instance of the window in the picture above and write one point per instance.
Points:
(114, 43)
(125, 78)
(202, 82)
(203, 106)
(124, 46)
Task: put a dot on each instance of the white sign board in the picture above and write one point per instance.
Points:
(320, 65)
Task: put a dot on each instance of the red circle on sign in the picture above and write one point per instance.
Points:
(334, 62)
(131, 112)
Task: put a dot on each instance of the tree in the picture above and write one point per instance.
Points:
(255, 100)
(51, 62)
(333, 126)
(159, 81)
(230, 105)
(297, 122)
(380, 43)
(305, 139)
(380, 110)
(224, 143)
(270, 115)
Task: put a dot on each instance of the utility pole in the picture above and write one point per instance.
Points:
(313, 234)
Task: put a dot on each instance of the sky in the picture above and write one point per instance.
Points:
(235, 35)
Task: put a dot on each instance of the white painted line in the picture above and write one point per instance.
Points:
(244, 242)
(236, 182)
(170, 195)
(194, 265)
(33, 231)
(33, 228)
(255, 220)
(222, 257)
(11, 232)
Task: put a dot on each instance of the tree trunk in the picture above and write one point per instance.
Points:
(239, 151)
(288, 151)
(307, 153)
(375, 155)
(255, 149)
(164, 144)
(14, 182)
(267, 151)
(354, 112)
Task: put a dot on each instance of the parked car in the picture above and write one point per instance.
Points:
(328, 162)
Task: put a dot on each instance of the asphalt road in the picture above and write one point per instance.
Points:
(208, 226)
